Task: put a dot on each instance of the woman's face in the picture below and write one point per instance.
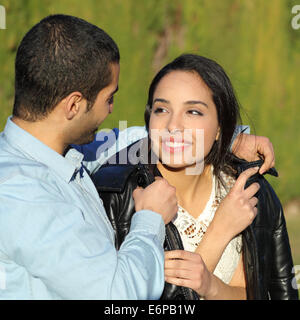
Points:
(183, 123)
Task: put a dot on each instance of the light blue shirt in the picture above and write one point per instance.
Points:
(56, 241)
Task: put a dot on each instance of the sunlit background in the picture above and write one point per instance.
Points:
(256, 41)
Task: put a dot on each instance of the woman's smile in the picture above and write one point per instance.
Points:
(175, 145)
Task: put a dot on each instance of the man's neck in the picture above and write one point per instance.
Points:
(44, 130)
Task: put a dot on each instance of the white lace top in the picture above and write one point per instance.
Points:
(192, 229)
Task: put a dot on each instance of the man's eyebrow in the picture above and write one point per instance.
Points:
(192, 102)
(161, 100)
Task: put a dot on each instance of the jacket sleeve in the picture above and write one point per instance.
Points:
(281, 286)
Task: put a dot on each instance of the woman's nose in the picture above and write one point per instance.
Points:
(175, 123)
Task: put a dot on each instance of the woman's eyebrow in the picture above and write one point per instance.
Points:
(192, 102)
(161, 100)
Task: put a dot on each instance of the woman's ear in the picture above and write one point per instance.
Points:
(218, 134)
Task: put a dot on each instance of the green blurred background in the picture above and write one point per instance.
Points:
(252, 39)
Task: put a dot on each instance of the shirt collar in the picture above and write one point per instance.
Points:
(33, 148)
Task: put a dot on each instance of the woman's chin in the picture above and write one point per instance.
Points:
(175, 164)
(179, 160)
(193, 167)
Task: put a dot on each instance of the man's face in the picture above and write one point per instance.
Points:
(89, 121)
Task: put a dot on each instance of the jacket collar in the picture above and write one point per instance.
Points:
(241, 165)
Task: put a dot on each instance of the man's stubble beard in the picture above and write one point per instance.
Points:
(86, 138)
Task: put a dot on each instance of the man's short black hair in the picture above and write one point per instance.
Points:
(59, 55)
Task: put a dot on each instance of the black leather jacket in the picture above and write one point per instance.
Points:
(266, 250)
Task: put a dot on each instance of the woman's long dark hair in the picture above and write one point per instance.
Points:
(223, 96)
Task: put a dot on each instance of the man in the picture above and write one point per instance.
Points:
(55, 239)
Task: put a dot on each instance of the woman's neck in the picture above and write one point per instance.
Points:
(187, 186)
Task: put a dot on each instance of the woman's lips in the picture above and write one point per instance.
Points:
(173, 145)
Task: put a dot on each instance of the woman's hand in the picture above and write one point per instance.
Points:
(187, 269)
(250, 147)
(234, 214)
(238, 209)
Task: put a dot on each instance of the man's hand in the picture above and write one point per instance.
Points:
(250, 147)
(159, 197)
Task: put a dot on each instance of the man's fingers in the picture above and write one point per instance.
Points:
(269, 156)
(244, 176)
(269, 163)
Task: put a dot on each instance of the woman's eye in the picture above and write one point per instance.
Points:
(159, 110)
(195, 112)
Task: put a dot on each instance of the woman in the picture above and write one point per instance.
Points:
(236, 245)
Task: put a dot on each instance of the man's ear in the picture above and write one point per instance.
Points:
(73, 104)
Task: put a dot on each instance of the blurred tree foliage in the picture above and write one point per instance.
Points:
(252, 39)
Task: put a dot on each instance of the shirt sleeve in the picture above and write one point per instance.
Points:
(74, 258)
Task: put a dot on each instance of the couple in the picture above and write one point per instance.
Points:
(56, 241)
